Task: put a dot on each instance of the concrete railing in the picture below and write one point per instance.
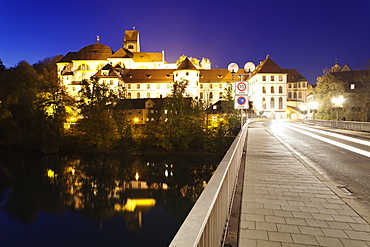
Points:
(349, 125)
(206, 223)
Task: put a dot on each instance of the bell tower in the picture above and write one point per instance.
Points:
(131, 40)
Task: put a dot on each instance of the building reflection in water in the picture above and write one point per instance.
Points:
(101, 188)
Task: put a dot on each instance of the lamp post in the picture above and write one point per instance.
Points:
(313, 107)
(338, 103)
(241, 87)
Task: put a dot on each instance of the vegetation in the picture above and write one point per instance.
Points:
(36, 113)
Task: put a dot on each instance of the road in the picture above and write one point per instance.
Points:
(341, 156)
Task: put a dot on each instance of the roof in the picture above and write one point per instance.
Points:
(216, 76)
(131, 35)
(149, 75)
(295, 76)
(147, 57)
(186, 64)
(268, 67)
(68, 58)
(122, 53)
(93, 52)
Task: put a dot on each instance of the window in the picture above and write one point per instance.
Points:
(187, 73)
(128, 86)
(280, 77)
(289, 85)
(300, 95)
(272, 103)
(295, 85)
(158, 86)
(220, 95)
(104, 81)
(210, 86)
(294, 95)
(168, 86)
(73, 89)
(130, 46)
(263, 103)
(280, 89)
(272, 89)
(201, 86)
(129, 95)
(111, 82)
(289, 95)
(280, 102)
(138, 86)
(138, 95)
(147, 86)
(148, 95)
(201, 95)
(211, 95)
(272, 78)
(220, 86)
(303, 84)
(299, 85)
(263, 78)
(263, 89)
(353, 86)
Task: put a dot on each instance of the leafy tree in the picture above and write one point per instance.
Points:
(327, 88)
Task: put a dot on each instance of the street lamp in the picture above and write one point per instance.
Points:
(338, 103)
(241, 87)
(313, 107)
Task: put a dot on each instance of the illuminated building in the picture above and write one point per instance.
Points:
(147, 75)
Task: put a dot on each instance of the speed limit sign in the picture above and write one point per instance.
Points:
(241, 87)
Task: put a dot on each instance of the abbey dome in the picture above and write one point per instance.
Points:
(94, 52)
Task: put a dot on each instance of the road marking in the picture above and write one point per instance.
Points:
(351, 139)
(335, 143)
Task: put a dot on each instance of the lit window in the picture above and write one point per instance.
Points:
(353, 86)
(111, 82)
(138, 95)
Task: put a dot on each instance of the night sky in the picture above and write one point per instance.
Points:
(305, 35)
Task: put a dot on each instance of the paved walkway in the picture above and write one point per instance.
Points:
(285, 203)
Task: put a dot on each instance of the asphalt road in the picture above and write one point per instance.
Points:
(342, 156)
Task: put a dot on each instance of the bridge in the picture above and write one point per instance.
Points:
(284, 200)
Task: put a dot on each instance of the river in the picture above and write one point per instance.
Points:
(127, 200)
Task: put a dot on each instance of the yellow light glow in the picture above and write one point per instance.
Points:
(131, 204)
(137, 176)
(136, 120)
(51, 173)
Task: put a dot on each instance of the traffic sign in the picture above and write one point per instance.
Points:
(241, 102)
(241, 87)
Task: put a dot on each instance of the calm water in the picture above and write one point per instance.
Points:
(97, 201)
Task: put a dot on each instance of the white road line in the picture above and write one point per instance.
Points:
(363, 142)
(335, 143)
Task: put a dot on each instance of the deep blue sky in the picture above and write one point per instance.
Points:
(305, 35)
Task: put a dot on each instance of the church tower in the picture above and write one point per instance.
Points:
(131, 41)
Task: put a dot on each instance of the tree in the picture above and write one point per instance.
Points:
(327, 88)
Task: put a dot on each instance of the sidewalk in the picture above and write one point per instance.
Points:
(285, 203)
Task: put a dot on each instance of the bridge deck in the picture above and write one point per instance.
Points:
(287, 203)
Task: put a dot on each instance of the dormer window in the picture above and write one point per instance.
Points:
(148, 75)
(129, 76)
(201, 76)
(168, 75)
(219, 76)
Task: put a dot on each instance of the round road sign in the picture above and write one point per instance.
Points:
(241, 100)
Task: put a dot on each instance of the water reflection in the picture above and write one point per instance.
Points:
(100, 188)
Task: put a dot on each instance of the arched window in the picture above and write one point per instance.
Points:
(138, 96)
(272, 103)
(280, 102)
(294, 95)
(263, 89)
(201, 95)
(280, 89)
(263, 103)
(289, 95)
(211, 95)
(272, 89)
(129, 95)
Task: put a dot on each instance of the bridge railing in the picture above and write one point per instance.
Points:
(206, 222)
(349, 125)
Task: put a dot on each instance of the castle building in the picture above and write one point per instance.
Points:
(147, 75)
